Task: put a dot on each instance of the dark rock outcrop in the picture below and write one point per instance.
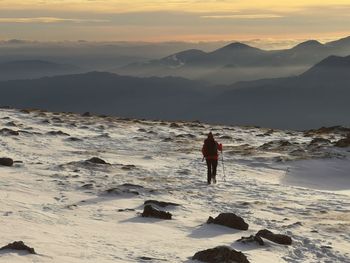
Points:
(319, 141)
(6, 161)
(60, 133)
(149, 211)
(6, 131)
(174, 125)
(86, 114)
(327, 130)
(74, 139)
(160, 203)
(221, 254)
(276, 238)
(275, 145)
(345, 142)
(230, 220)
(96, 160)
(19, 245)
(125, 189)
(251, 239)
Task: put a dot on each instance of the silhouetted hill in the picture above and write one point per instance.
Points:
(341, 43)
(318, 97)
(22, 69)
(104, 93)
(330, 68)
(310, 44)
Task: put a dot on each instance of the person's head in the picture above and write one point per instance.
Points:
(210, 135)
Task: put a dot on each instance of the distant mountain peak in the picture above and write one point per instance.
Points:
(309, 44)
(334, 61)
(329, 65)
(237, 45)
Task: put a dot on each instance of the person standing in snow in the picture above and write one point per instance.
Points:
(210, 153)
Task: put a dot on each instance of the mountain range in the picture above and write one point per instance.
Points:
(239, 62)
(29, 69)
(314, 98)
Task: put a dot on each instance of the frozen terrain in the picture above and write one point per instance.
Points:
(58, 203)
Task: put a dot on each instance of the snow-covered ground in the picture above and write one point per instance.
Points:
(58, 204)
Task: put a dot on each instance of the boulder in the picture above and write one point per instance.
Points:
(149, 211)
(230, 220)
(6, 161)
(221, 254)
(160, 203)
(276, 238)
(345, 142)
(251, 239)
(96, 160)
(174, 125)
(19, 245)
(86, 114)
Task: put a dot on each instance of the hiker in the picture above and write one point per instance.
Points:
(210, 153)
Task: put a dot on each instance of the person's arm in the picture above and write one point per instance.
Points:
(220, 147)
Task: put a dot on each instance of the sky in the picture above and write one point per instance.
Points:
(173, 20)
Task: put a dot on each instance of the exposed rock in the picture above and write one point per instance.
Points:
(6, 161)
(125, 189)
(88, 186)
(230, 220)
(6, 131)
(221, 254)
(160, 203)
(25, 111)
(74, 139)
(326, 130)
(275, 145)
(126, 210)
(96, 160)
(86, 114)
(276, 238)
(19, 245)
(318, 141)
(174, 125)
(118, 191)
(251, 239)
(11, 124)
(57, 120)
(149, 211)
(345, 142)
(225, 137)
(128, 167)
(61, 133)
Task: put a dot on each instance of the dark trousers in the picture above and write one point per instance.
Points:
(211, 165)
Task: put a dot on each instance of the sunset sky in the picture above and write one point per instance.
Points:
(173, 20)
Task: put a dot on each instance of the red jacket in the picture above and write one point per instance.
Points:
(211, 157)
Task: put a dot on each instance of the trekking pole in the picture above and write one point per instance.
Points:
(223, 165)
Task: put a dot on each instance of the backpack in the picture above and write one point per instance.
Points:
(211, 148)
